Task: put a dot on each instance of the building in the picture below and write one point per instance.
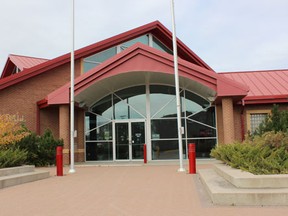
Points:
(125, 97)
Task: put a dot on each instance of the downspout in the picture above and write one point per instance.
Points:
(242, 121)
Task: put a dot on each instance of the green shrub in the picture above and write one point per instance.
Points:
(10, 157)
(276, 121)
(41, 150)
(266, 154)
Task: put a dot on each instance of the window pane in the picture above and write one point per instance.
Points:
(203, 147)
(102, 56)
(198, 130)
(256, 120)
(99, 151)
(98, 58)
(121, 109)
(144, 39)
(104, 107)
(160, 46)
(138, 103)
(164, 128)
(99, 133)
(161, 96)
(206, 117)
(167, 149)
(136, 98)
(89, 65)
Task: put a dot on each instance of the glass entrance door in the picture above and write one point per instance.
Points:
(129, 140)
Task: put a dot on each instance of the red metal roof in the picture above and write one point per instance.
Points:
(21, 62)
(269, 86)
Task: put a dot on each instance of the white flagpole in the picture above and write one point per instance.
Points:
(72, 169)
(179, 124)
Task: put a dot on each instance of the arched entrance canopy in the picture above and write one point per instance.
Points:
(140, 64)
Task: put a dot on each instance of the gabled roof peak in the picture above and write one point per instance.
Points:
(19, 63)
(155, 28)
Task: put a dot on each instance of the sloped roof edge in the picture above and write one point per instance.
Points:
(209, 78)
(154, 27)
(22, 62)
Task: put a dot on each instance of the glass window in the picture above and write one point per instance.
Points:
(203, 147)
(256, 119)
(104, 107)
(130, 103)
(160, 46)
(164, 128)
(195, 129)
(96, 59)
(194, 103)
(144, 39)
(102, 56)
(99, 133)
(99, 151)
(167, 149)
(89, 65)
(162, 101)
(206, 116)
(121, 108)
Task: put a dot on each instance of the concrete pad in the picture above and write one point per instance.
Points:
(242, 179)
(122, 191)
(222, 192)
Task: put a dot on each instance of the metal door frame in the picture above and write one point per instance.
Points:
(129, 121)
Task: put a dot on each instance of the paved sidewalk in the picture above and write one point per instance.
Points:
(153, 190)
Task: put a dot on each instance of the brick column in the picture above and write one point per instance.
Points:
(80, 135)
(228, 120)
(64, 131)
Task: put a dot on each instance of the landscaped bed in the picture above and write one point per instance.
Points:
(264, 152)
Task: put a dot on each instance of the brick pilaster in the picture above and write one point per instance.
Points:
(80, 135)
(228, 120)
(64, 131)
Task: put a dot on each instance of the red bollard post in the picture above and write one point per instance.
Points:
(145, 153)
(192, 158)
(59, 160)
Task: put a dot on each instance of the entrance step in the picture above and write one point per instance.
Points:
(242, 179)
(20, 175)
(222, 192)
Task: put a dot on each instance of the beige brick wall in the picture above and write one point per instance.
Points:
(228, 120)
(22, 97)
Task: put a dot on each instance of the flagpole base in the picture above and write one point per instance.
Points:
(71, 170)
(181, 170)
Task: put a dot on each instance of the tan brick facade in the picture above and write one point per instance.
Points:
(80, 135)
(228, 120)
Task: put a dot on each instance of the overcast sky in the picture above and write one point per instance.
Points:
(229, 35)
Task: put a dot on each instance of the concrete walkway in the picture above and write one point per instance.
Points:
(120, 190)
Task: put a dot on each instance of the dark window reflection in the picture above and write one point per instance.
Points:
(203, 147)
(99, 151)
(167, 149)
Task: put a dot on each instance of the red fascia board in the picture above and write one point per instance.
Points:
(34, 71)
(266, 99)
(8, 67)
(187, 69)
